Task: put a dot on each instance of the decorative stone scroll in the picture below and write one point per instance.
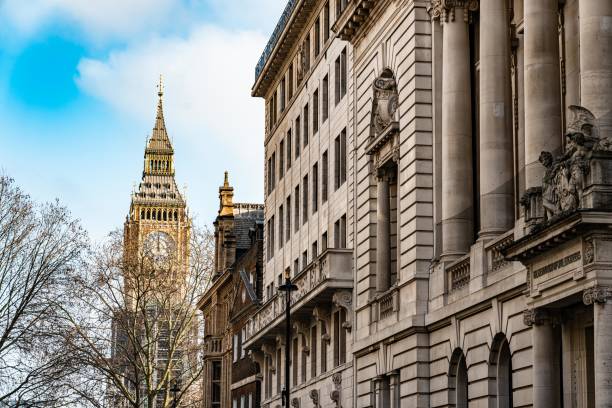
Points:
(535, 317)
(323, 317)
(302, 329)
(565, 176)
(336, 392)
(314, 396)
(596, 294)
(295, 402)
(344, 299)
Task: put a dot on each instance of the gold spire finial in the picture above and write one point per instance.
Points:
(226, 180)
(226, 195)
(160, 87)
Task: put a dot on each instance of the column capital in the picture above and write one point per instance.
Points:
(445, 10)
(539, 317)
(596, 294)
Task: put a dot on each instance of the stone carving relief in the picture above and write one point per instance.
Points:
(301, 328)
(335, 394)
(588, 252)
(295, 402)
(385, 102)
(344, 299)
(314, 396)
(596, 294)
(565, 176)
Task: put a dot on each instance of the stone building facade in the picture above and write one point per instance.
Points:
(479, 267)
(229, 378)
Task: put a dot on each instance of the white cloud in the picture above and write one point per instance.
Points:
(98, 19)
(207, 104)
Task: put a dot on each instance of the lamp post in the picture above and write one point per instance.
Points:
(175, 390)
(288, 287)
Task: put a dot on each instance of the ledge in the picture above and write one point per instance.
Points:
(353, 18)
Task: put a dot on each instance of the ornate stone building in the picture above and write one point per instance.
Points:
(478, 270)
(229, 375)
(303, 75)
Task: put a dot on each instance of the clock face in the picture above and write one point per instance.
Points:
(159, 247)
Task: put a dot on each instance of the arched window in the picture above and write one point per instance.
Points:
(142, 214)
(148, 214)
(165, 215)
(175, 215)
(500, 371)
(458, 380)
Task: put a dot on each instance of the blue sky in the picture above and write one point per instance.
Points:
(78, 93)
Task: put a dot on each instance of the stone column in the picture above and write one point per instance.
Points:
(496, 150)
(542, 86)
(394, 389)
(457, 185)
(596, 60)
(383, 254)
(546, 368)
(601, 299)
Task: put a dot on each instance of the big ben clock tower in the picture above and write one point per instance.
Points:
(158, 226)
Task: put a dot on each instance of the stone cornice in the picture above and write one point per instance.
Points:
(353, 17)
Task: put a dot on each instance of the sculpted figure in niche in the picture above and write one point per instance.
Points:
(385, 102)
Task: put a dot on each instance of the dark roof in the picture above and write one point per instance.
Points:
(246, 216)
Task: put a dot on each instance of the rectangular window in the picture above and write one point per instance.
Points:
(304, 259)
(341, 76)
(296, 215)
(281, 159)
(269, 176)
(288, 223)
(272, 241)
(282, 95)
(317, 38)
(268, 240)
(305, 199)
(324, 242)
(337, 75)
(339, 337)
(289, 149)
(313, 351)
(326, 22)
(306, 54)
(323, 349)
(297, 137)
(325, 99)
(216, 384)
(324, 177)
(274, 107)
(315, 187)
(343, 73)
(290, 82)
(235, 348)
(315, 111)
(340, 232)
(303, 362)
(279, 370)
(296, 266)
(273, 172)
(340, 159)
(294, 361)
(306, 131)
(281, 226)
(315, 250)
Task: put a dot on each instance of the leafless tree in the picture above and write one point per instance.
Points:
(136, 331)
(40, 246)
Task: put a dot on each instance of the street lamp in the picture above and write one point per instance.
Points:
(288, 287)
(175, 390)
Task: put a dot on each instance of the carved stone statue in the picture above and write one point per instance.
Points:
(385, 102)
(566, 176)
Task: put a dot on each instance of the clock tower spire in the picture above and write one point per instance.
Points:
(158, 224)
